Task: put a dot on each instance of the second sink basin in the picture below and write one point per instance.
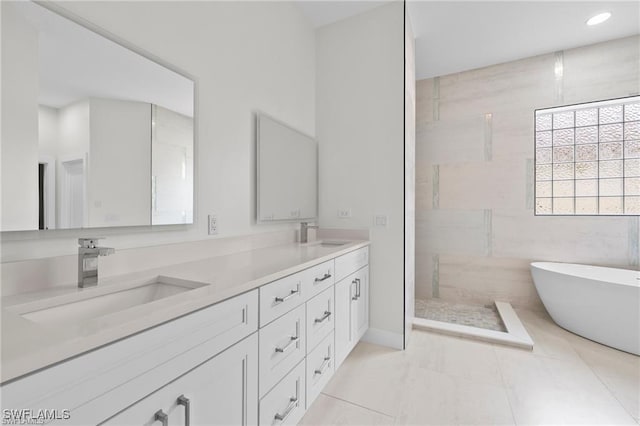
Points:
(326, 243)
(82, 308)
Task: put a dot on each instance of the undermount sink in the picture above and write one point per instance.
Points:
(83, 306)
(327, 243)
(332, 243)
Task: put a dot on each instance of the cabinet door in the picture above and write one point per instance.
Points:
(222, 391)
(361, 322)
(345, 292)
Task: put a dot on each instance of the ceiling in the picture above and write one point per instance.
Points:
(76, 63)
(454, 36)
(323, 12)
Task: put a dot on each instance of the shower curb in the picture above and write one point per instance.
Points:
(516, 335)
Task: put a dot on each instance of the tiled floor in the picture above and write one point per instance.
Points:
(442, 380)
(459, 313)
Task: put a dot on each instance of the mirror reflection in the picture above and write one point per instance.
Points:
(286, 158)
(94, 134)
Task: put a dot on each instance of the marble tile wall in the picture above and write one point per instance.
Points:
(475, 229)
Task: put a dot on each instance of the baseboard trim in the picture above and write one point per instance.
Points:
(384, 338)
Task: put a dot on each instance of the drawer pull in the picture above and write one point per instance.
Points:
(184, 401)
(292, 340)
(324, 277)
(355, 297)
(161, 417)
(293, 403)
(326, 315)
(323, 366)
(290, 295)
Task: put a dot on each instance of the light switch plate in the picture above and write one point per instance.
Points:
(213, 224)
(344, 213)
(380, 220)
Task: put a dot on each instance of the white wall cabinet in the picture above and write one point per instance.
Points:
(222, 391)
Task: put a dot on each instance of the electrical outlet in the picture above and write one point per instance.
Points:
(344, 213)
(380, 220)
(213, 224)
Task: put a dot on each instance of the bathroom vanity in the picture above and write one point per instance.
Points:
(256, 347)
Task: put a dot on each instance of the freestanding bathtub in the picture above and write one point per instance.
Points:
(601, 304)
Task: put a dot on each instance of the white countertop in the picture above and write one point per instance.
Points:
(28, 346)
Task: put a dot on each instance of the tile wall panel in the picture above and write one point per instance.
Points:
(585, 67)
(595, 240)
(484, 237)
(452, 231)
(502, 87)
(483, 185)
(482, 280)
(451, 141)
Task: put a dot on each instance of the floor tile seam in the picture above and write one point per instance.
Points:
(505, 387)
(606, 386)
(359, 405)
(466, 380)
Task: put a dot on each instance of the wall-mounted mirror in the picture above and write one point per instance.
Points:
(93, 133)
(287, 163)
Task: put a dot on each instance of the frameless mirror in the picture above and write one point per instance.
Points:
(94, 134)
(287, 163)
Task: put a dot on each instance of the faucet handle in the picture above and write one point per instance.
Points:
(89, 242)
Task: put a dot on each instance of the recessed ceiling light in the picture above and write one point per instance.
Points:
(599, 18)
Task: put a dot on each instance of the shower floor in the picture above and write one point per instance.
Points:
(486, 317)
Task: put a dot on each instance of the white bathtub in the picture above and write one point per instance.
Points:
(601, 304)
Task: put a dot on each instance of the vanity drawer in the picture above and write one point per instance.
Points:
(320, 277)
(282, 346)
(320, 318)
(285, 403)
(279, 297)
(320, 368)
(351, 262)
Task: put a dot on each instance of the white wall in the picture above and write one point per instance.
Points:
(360, 98)
(245, 56)
(171, 167)
(476, 230)
(119, 169)
(74, 133)
(47, 131)
(19, 122)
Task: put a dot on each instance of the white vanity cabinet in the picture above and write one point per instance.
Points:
(351, 302)
(222, 391)
(102, 383)
(261, 357)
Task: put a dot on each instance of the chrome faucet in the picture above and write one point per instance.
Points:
(88, 261)
(304, 231)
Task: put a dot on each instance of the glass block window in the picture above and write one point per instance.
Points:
(587, 159)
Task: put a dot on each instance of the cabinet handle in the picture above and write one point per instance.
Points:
(288, 345)
(323, 366)
(161, 417)
(326, 315)
(293, 403)
(290, 295)
(324, 277)
(184, 401)
(356, 295)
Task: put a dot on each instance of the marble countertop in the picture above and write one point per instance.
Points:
(29, 346)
